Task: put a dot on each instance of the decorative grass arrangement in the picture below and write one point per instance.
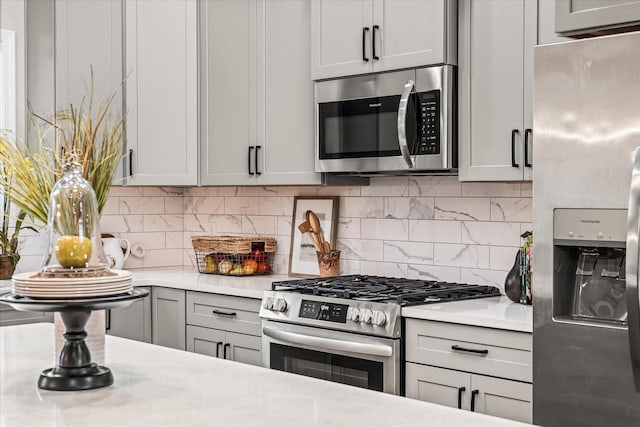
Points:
(89, 135)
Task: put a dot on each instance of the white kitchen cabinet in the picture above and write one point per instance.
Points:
(88, 35)
(224, 326)
(486, 395)
(161, 92)
(227, 345)
(495, 86)
(132, 322)
(168, 323)
(257, 114)
(10, 316)
(363, 36)
(596, 17)
(88, 39)
(547, 23)
(472, 368)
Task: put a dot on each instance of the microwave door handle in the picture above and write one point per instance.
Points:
(402, 122)
(328, 343)
(631, 269)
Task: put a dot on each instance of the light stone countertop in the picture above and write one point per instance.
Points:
(190, 279)
(492, 312)
(158, 386)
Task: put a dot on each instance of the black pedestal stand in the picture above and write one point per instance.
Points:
(74, 370)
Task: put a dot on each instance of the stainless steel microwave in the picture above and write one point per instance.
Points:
(390, 123)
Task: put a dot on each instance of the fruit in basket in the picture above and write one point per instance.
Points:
(73, 251)
(210, 264)
(236, 270)
(249, 266)
(225, 266)
(264, 268)
(259, 255)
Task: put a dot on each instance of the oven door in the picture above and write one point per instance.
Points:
(358, 360)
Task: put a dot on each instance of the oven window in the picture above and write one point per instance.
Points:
(326, 366)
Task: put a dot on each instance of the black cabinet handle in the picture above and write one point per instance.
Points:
(474, 393)
(514, 132)
(218, 345)
(258, 147)
(469, 350)
(108, 317)
(364, 42)
(224, 313)
(460, 391)
(249, 159)
(527, 134)
(373, 42)
(130, 161)
(224, 351)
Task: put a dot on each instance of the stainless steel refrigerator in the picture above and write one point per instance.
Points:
(586, 344)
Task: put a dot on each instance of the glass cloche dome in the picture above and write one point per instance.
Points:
(74, 237)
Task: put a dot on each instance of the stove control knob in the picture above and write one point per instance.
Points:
(279, 305)
(366, 316)
(379, 318)
(268, 304)
(353, 314)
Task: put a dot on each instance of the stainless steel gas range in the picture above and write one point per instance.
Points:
(348, 329)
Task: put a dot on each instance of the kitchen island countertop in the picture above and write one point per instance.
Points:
(159, 386)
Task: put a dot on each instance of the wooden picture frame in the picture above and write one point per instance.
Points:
(303, 261)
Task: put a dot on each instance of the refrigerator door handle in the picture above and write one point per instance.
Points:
(633, 303)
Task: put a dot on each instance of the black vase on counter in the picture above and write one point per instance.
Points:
(513, 282)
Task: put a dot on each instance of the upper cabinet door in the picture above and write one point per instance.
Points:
(228, 91)
(494, 88)
(341, 34)
(409, 33)
(88, 35)
(285, 94)
(577, 17)
(161, 91)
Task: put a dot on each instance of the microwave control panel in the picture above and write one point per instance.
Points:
(428, 122)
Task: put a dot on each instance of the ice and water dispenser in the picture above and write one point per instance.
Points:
(589, 265)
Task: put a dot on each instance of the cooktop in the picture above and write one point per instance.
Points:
(392, 290)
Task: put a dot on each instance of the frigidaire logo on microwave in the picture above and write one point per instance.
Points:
(590, 221)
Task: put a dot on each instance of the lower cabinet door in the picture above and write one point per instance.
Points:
(132, 322)
(228, 345)
(168, 312)
(9, 316)
(503, 398)
(436, 385)
(205, 341)
(244, 348)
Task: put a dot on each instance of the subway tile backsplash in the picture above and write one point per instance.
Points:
(433, 228)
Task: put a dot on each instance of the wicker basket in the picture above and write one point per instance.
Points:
(234, 255)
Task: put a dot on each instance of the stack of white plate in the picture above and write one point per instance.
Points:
(35, 284)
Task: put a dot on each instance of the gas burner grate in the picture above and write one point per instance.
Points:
(386, 289)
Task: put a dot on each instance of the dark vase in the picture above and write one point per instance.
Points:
(512, 283)
(7, 266)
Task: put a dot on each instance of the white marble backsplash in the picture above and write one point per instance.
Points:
(434, 228)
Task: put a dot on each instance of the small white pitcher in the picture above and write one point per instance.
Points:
(113, 247)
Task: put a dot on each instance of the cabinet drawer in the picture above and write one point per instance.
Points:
(486, 351)
(228, 313)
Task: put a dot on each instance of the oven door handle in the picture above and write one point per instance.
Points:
(329, 344)
(402, 123)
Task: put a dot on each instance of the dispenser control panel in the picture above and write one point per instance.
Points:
(607, 225)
